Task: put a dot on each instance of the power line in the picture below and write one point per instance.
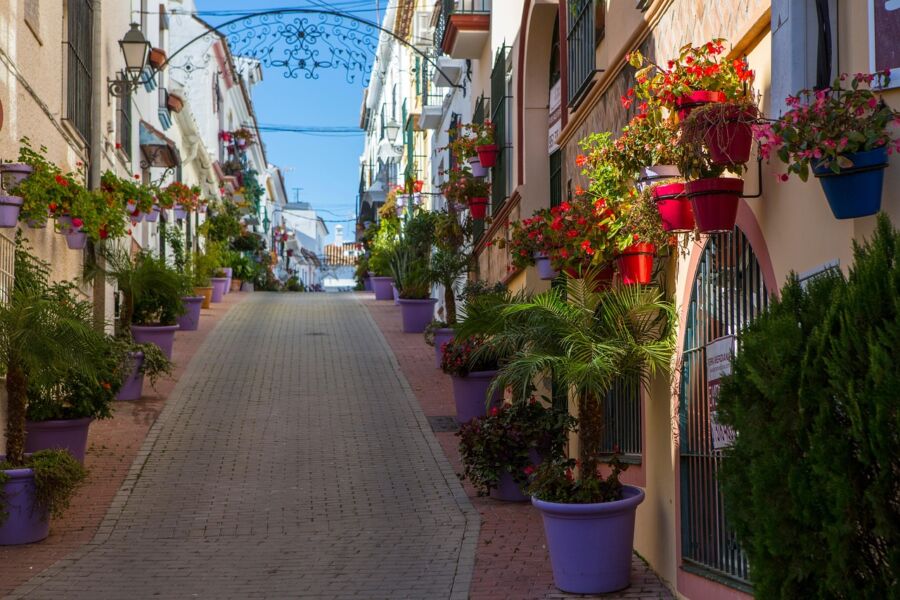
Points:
(315, 130)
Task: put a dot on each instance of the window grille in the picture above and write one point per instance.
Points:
(78, 64)
(581, 48)
(727, 293)
(500, 172)
(7, 267)
(622, 420)
(123, 124)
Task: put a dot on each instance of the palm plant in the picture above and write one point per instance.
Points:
(44, 335)
(584, 339)
(447, 266)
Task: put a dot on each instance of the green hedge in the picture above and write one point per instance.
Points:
(812, 484)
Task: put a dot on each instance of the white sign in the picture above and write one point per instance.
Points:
(555, 117)
(719, 353)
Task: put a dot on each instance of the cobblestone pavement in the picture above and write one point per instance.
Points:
(292, 460)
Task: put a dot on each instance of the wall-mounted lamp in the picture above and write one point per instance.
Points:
(135, 48)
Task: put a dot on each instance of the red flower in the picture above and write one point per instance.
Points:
(77, 222)
(580, 160)
(62, 181)
(528, 470)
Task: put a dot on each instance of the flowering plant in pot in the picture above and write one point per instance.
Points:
(138, 200)
(714, 198)
(463, 187)
(501, 449)
(843, 135)
(725, 128)
(647, 150)
(578, 238)
(638, 235)
(41, 339)
(485, 146)
(528, 243)
(700, 75)
(586, 340)
(471, 377)
(42, 191)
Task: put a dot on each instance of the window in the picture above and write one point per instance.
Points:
(555, 70)
(78, 63)
(622, 420)
(123, 124)
(581, 46)
(556, 187)
(599, 21)
(727, 293)
(502, 170)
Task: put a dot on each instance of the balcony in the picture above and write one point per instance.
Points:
(448, 71)
(463, 27)
(432, 97)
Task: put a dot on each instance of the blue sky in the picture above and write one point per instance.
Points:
(325, 168)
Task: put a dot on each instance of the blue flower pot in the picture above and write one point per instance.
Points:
(855, 191)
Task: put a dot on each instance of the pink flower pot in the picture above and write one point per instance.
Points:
(163, 336)
(714, 202)
(674, 207)
(190, 320)
(470, 395)
(441, 337)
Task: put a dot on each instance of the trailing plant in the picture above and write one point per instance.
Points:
(508, 440)
(45, 190)
(432, 328)
(641, 222)
(528, 238)
(649, 139)
(459, 359)
(601, 162)
(824, 126)
(810, 483)
(99, 215)
(57, 476)
(179, 194)
(719, 119)
(461, 186)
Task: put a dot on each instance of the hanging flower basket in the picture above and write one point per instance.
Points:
(9, 210)
(655, 173)
(674, 207)
(478, 208)
(714, 202)
(157, 58)
(855, 191)
(14, 173)
(487, 155)
(545, 269)
(692, 100)
(478, 168)
(730, 141)
(636, 264)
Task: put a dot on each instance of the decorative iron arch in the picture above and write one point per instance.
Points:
(288, 38)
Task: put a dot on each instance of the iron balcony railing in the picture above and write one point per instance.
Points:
(431, 94)
(452, 7)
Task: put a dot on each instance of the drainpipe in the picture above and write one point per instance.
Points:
(95, 150)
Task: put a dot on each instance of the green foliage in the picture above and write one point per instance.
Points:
(431, 328)
(555, 481)
(293, 284)
(447, 267)
(508, 440)
(151, 290)
(222, 223)
(155, 363)
(460, 357)
(57, 477)
(383, 245)
(811, 483)
(45, 334)
(242, 267)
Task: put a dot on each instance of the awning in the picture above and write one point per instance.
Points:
(158, 150)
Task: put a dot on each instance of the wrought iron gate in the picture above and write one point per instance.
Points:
(728, 292)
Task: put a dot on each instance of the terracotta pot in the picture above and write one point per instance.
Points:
(174, 103)
(206, 292)
(157, 58)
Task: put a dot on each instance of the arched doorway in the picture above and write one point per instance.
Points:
(728, 291)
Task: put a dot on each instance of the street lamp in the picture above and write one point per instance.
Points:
(135, 48)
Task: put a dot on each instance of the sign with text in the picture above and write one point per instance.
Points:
(555, 117)
(884, 38)
(719, 353)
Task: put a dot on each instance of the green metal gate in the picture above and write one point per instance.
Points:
(728, 292)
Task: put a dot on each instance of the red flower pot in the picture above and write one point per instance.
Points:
(715, 202)
(674, 207)
(478, 208)
(636, 264)
(487, 155)
(729, 143)
(692, 100)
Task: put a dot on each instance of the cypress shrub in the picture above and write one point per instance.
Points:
(812, 483)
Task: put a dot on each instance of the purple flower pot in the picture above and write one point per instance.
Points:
(153, 215)
(382, 288)
(441, 337)
(133, 386)
(544, 268)
(219, 284)
(470, 395)
(180, 212)
(229, 272)
(63, 224)
(9, 210)
(68, 434)
(416, 314)
(190, 320)
(478, 170)
(396, 294)
(14, 173)
(162, 336)
(367, 283)
(24, 523)
(590, 544)
(76, 240)
(508, 490)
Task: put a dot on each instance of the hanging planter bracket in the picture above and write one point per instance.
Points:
(759, 179)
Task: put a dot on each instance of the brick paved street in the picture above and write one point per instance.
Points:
(291, 460)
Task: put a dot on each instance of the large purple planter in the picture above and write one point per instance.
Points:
(508, 490)
(9, 210)
(133, 386)
(219, 284)
(161, 335)
(190, 320)
(416, 314)
(470, 395)
(69, 434)
(24, 524)
(229, 273)
(396, 294)
(367, 283)
(382, 288)
(441, 337)
(590, 544)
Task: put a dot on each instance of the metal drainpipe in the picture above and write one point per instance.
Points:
(95, 150)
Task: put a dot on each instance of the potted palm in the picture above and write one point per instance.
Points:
(842, 135)
(447, 267)
(501, 449)
(41, 341)
(585, 340)
(151, 297)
